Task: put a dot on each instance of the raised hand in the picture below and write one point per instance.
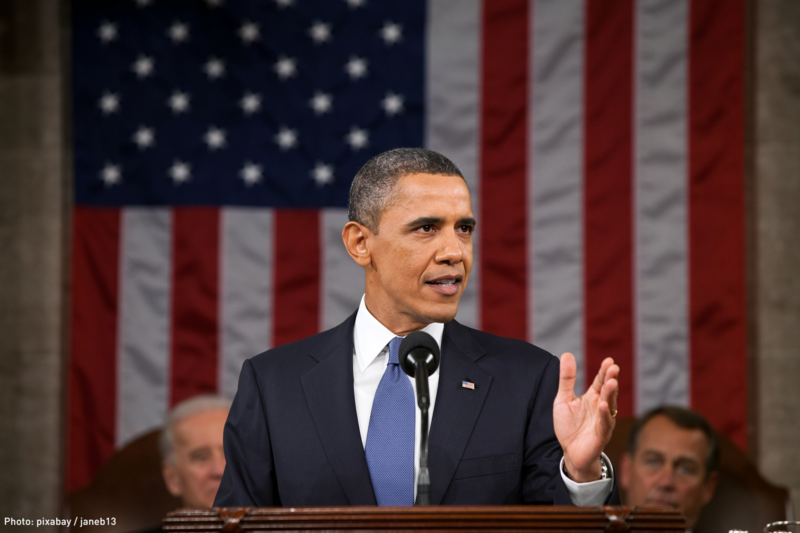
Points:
(584, 424)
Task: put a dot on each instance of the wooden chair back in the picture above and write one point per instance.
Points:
(129, 488)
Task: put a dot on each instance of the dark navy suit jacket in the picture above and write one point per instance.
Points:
(292, 436)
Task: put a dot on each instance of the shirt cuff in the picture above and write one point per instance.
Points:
(589, 494)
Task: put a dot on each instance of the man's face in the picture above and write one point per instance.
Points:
(420, 260)
(199, 460)
(669, 469)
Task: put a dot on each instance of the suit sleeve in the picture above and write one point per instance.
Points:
(249, 479)
(542, 481)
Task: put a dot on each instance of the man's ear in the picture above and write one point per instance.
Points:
(355, 238)
(625, 471)
(172, 479)
(710, 487)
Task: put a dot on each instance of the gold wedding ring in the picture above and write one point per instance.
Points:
(614, 414)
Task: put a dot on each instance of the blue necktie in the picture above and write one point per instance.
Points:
(390, 437)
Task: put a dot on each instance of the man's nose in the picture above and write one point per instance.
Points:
(218, 465)
(666, 478)
(450, 250)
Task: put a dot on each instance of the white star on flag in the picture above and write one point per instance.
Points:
(214, 138)
(214, 68)
(320, 32)
(111, 174)
(180, 172)
(250, 173)
(178, 32)
(143, 66)
(284, 3)
(391, 33)
(355, 3)
(357, 138)
(286, 138)
(144, 137)
(286, 67)
(109, 103)
(250, 103)
(356, 67)
(107, 32)
(322, 174)
(321, 103)
(179, 102)
(249, 32)
(392, 103)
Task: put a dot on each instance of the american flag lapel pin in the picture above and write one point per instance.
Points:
(468, 385)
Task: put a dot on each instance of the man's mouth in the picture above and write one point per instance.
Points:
(662, 503)
(447, 285)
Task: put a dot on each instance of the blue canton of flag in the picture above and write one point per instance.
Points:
(263, 103)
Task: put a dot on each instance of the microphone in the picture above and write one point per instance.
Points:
(419, 358)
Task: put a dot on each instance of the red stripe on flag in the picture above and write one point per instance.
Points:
(297, 275)
(93, 344)
(716, 215)
(195, 302)
(608, 191)
(503, 168)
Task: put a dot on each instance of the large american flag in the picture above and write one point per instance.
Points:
(215, 142)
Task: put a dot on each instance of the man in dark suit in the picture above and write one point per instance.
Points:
(192, 459)
(327, 420)
(672, 460)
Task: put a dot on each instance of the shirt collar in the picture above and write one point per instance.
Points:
(371, 337)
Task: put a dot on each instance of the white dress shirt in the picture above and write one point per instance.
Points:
(370, 358)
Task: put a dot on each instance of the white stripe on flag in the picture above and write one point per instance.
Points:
(452, 103)
(342, 282)
(555, 193)
(246, 290)
(661, 257)
(143, 370)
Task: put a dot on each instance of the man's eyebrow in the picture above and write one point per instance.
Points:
(424, 221)
(650, 451)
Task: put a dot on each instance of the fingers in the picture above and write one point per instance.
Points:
(610, 391)
(567, 373)
(600, 378)
(605, 422)
(606, 385)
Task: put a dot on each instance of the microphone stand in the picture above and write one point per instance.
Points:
(419, 357)
(424, 402)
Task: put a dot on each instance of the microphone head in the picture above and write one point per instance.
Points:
(419, 346)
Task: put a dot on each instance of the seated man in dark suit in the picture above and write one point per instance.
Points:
(331, 420)
(190, 443)
(672, 460)
(192, 460)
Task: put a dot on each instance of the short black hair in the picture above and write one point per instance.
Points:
(683, 418)
(374, 183)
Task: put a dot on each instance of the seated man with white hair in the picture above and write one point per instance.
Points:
(191, 449)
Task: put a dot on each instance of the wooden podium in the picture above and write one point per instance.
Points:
(445, 518)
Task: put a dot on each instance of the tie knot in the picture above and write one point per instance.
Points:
(394, 350)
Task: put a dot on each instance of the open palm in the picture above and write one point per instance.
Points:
(583, 424)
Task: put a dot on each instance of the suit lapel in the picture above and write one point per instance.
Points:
(457, 408)
(328, 388)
